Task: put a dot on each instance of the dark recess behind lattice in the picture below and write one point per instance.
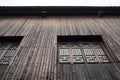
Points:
(10, 38)
(62, 38)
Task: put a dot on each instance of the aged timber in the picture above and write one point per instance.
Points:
(36, 56)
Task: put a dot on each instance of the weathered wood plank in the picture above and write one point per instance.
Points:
(36, 57)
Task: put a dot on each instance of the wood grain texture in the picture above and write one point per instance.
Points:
(36, 56)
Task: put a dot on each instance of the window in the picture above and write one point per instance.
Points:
(8, 47)
(7, 51)
(82, 49)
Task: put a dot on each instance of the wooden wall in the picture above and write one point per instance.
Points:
(36, 57)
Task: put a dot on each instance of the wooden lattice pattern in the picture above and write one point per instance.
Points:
(7, 51)
(82, 52)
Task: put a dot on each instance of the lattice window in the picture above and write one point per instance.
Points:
(102, 56)
(64, 53)
(82, 50)
(89, 53)
(76, 53)
(7, 51)
(8, 47)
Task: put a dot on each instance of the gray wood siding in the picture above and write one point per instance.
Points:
(36, 57)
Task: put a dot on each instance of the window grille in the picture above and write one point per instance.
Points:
(76, 53)
(8, 47)
(64, 53)
(8, 50)
(89, 53)
(82, 49)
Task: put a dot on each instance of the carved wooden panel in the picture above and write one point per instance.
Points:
(102, 56)
(76, 53)
(8, 51)
(81, 52)
(64, 53)
(89, 53)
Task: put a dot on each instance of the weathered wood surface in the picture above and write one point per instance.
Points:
(36, 57)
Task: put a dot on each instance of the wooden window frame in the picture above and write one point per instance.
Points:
(8, 45)
(106, 58)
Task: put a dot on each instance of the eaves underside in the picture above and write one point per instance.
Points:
(59, 10)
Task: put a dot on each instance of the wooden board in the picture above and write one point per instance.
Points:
(36, 56)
